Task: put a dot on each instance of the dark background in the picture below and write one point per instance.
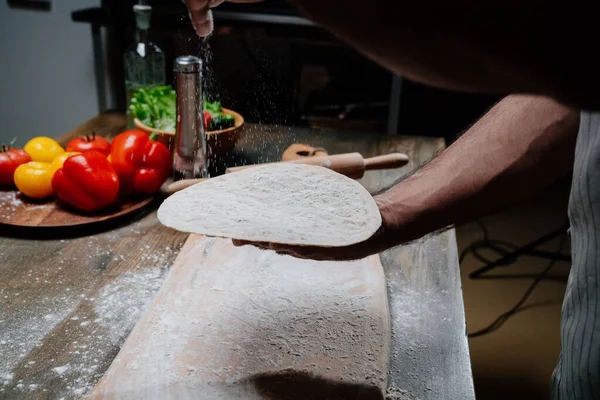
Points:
(282, 73)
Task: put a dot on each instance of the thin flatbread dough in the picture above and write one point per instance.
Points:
(283, 203)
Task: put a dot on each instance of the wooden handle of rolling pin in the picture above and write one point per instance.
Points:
(353, 165)
(182, 184)
(387, 161)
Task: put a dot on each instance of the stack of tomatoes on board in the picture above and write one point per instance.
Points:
(90, 173)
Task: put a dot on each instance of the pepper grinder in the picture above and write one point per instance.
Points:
(189, 152)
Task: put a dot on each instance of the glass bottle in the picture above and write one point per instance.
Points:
(144, 61)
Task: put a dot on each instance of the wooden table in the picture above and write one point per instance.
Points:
(67, 303)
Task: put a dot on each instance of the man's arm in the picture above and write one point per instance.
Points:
(542, 47)
(518, 148)
(500, 46)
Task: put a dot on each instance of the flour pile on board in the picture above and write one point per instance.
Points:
(120, 304)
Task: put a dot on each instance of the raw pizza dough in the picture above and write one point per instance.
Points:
(282, 203)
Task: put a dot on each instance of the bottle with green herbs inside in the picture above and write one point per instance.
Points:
(144, 61)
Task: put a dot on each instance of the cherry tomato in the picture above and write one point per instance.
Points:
(34, 179)
(10, 159)
(207, 119)
(43, 149)
(58, 162)
(83, 144)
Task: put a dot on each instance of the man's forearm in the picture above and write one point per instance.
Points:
(500, 46)
(519, 147)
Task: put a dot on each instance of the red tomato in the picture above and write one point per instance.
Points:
(10, 159)
(207, 119)
(83, 144)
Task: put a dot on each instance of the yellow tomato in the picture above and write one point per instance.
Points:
(43, 149)
(58, 162)
(34, 179)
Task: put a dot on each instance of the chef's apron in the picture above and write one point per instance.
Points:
(577, 375)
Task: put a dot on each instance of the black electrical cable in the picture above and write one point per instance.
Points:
(499, 246)
(502, 248)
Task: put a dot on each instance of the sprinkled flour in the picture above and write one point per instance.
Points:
(98, 320)
(119, 305)
(266, 313)
(20, 335)
(10, 201)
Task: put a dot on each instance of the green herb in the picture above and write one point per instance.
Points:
(156, 107)
(213, 108)
(221, 121)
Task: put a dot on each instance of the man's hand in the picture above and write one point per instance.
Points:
(380, 241)
(364, 249)
(201, 15)
(519, 147)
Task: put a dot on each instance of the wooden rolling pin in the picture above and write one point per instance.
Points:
(353, 165)
(183, 184)
(298, 151)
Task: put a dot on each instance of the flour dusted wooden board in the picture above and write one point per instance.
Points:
(242, 323)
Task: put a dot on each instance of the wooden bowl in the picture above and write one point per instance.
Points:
(218, 142)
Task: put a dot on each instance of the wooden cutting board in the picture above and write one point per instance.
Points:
(17, 211)
(243, 323)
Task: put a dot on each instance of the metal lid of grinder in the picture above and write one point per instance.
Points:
(189, 155)
(188, 65)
